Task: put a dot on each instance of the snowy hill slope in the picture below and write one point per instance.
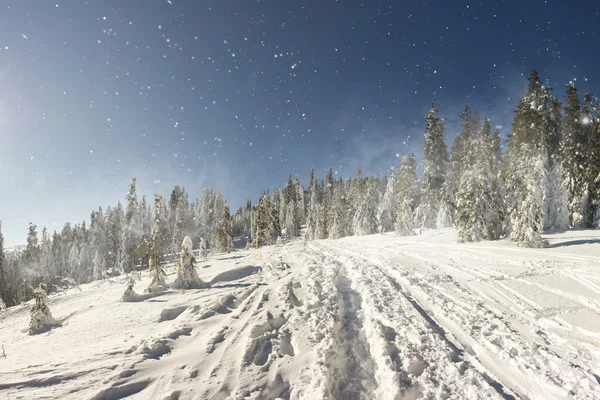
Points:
(375, 317)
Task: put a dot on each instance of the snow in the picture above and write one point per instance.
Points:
(370, 317)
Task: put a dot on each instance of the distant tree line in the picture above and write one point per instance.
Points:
(548, 179)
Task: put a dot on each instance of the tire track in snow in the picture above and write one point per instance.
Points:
(510, 355)
(412, 359)
(351, 371)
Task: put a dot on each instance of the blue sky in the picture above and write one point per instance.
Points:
(237, 95)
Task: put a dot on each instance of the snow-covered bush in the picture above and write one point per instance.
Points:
(130, 294)
(2, 305)
(187, 277)
(41, 317)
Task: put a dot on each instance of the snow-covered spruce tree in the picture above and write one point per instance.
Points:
(132, 229)
(556, 212)
(159, 233)
(312, 212)
(527, 182)
(223, 240)
(590, 119)
(274, 227)
(99, 244)
(267, 227)
(534, 141)
(3, 274)
(158, 240)
(405, 219)
(573, 142)
(292, 220)
(407, 195)
(300, 200)
(339, 220)
(41, 317)
(386, 214)
(114, 234)
(187, 277)
(321, 230)
(203, 248)
(180, 219)
(476, 212)
(365, 219)
(435, 164)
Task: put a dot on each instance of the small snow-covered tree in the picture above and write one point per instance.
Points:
(130, 294)
(187, 277)
(386, 215)
(157, 272)
(41, 317)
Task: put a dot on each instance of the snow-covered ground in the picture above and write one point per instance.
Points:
(376, 317)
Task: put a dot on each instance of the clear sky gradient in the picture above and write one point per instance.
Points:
(237, 95)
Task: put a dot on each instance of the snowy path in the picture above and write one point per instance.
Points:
(375, 317)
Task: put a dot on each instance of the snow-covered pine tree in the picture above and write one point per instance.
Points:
(339, 220)
(31, 254)
(405, 218)
(435, 164)
(292, 220)
(283, 206)
(407, 195)
(527, 183)
(590, 120)
(3, 274)
(99, 244)
(274, 227)
(321, 230)
(223, 241)
(365, 219)
(187, 277)
(160, 229)
(312, 212)
(132, 229)
(386, 214)
(573, 142)
(267, 227)
(180, 219)
(41, 317)
(203, 248)
(534, 141)
(114, 235)
(556, 213)
(477, 208)
(300, 201)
